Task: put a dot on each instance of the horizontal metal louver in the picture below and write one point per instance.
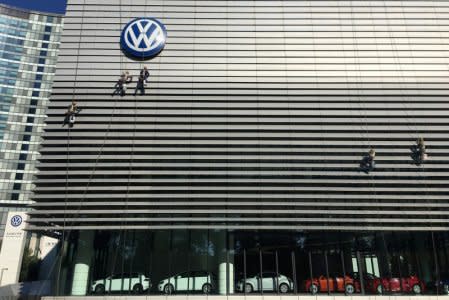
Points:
(257, 115)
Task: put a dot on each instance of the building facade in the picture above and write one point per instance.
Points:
(29, 47)
(240, 169)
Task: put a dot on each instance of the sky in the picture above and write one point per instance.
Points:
(51, 6)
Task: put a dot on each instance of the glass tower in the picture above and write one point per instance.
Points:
(29, 43)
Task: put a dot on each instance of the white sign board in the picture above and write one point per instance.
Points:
(12, 248)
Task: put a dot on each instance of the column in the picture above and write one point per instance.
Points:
(84, 254)
(226, 264)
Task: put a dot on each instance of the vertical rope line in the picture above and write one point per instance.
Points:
(420, 171)
(119, 233)
(289, 143)
(315, 87)
(359, 85)
(372, 181)
(363, 114)
(316, 79)
(407, 97)
(354, 116)
(426, 129)
(421, 176)
(63, 236)
(189, 117)
(227, 110)
(100, 152)
(380, 65)
(126, 214)
(188, 189)
(151, 83)
(159, 95)
(396, 59)
(259, 164)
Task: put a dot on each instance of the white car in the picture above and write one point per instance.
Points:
(134, 282)
(188, 281)
(268, 282)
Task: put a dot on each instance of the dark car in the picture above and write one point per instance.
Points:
(441, 286)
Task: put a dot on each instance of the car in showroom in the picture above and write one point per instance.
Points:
(345, 284)
(439, 286)
(269, 281)
(374, 284)
(200, 281)
(442, 286)
(136, 283)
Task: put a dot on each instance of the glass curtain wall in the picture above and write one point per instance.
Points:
(254, 262)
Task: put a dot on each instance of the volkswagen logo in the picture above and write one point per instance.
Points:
(16, 220)
(143, 38)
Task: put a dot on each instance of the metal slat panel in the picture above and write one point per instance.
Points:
(257, 116)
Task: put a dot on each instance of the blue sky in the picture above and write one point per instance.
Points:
(52, 6)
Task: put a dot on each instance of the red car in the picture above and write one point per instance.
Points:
(336, 284)
(410, 284)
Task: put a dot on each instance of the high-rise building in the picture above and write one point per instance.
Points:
(243, 165)
(29, 46)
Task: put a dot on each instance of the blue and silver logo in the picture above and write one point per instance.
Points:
(143, 38)
(16, 220)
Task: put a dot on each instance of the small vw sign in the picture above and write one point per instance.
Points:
(16, 221)
(143, 38)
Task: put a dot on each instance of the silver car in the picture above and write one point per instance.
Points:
(269, 281)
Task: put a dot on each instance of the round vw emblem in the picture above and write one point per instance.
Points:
(16, 220)
(143, 38)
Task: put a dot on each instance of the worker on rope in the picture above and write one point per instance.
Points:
(142, 81)
(145, 73)
(140, 85)
(121, 85)
(368, 163)
(419, 153)
(70, 114)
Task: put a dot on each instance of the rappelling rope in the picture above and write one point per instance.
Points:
(192, 95)
(100, 150)
(123, 224)
(257, 103)
(63, 235)
(402, 88)
(438, 273)
(359, 84)
(290, 143)
(323, 131)
(421, 174)
(346, 78)
(119, 241)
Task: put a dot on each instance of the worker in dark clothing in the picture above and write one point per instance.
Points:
(146, 74)
(121, 85)
(421, 147)
(419, 152)
(368, 163)
(70, 114)
(140, 85)
(142, 81)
